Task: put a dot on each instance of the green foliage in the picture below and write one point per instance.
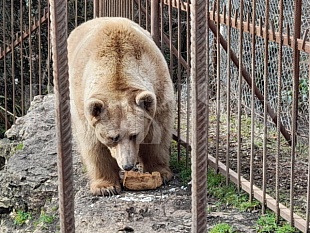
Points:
(179, 166)
(20, 146)
(267, 223)
(21, 217)
(44, 218)
(228, 194)
(222, 228)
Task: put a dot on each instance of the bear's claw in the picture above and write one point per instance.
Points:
(104, 188)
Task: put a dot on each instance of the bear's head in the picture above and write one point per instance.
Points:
(122, 124)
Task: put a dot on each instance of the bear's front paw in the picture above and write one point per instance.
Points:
(165, 173)
(102, 187)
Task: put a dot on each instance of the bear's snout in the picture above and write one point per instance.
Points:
(128, 167)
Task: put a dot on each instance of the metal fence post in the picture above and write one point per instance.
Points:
(58, 14)
(155, 32)
(199, 41)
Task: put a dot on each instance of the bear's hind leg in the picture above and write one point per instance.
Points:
(102, 170)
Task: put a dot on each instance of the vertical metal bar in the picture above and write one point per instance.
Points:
(63, 122)
(228, 91)
(96, 8)
(155, 21)
(307, 228)
(48, 52)
(280, 55)
(188, 104)
(21, 58)
(266, 58)
(75, 13)
(30, 50)
(13, 61)
(179, 87)
(100, 8)
(85, 10)
(170, 39)
(240, 95)
(253, 67)
(139, 9)
(199, 71)
(4, 67)
(39, 47)
(161, 25)
(132, 9)
(218, 83)
(147, 15)
(296, 54)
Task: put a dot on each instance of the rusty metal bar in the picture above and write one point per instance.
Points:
(155, 21)
(63, 117)
(188, 75)
(6, 120)
(161, 26)
(218, 84)
(170, 41)
(280, 55)
(13, 62)
(48, 52)
(139, 10)
(21, 25)
(30, 50)
(253, 86)
(146, 15)
(266, 60)
(85, 10)
(247, 78)
(179, 87)
(239, 131)
(307, 228)
(96, 8)
(228, 92)
(40, 50)
(296, 57)
(287, 40)
(199, 71)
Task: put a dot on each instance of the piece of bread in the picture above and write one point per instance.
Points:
(141, 181)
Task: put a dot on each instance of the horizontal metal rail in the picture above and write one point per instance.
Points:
(259, 30)
(25, 35)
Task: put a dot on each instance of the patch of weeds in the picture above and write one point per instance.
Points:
(228, 194)
(179, 166)
(22, 217)
(222, 228)
(20, 146)
(45, 218)
(267, 223)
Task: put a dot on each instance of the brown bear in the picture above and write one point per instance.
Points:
(122, 101)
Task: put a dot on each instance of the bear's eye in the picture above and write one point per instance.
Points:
(115, 139)
(133, 137)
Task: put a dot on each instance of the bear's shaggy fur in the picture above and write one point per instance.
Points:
(122, 101)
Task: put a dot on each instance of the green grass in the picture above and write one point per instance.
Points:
(268, 223)
(45, 218)
(222, 228)
(22, 217)
(20, 146)
(228, 194)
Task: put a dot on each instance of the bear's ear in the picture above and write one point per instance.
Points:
(147, 101)
(94, 108)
